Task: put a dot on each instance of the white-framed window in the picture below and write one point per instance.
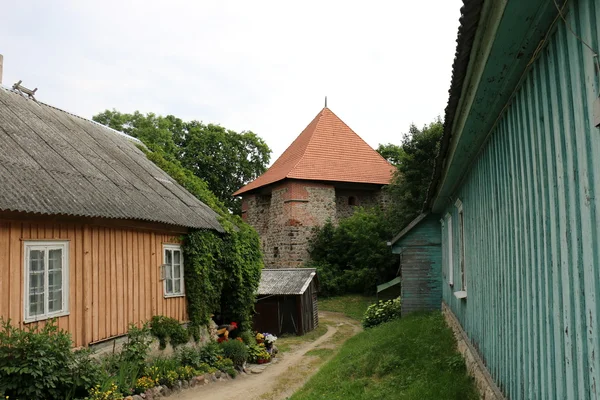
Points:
(461, 236)
(444, 250)
(450, 250)
(46, 290)
(173, 264)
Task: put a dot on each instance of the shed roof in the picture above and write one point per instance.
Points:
(327, 150)
(53, 162)
(287, 281)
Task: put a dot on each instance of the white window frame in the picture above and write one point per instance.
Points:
(444, 250)
(171, 247)
(45, 245)
(450, 251)
(461, 251)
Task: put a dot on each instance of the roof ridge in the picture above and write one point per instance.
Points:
(312, 135)
(122, 134)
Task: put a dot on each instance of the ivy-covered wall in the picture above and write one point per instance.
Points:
(222, 270)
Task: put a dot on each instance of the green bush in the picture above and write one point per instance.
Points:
(137, 347)
(248, 337)
(382, 311)
(236, 351)
(37, 363)
(189, 356)
(168, 328)
(210, 353)
(353, 257)
(226, 365)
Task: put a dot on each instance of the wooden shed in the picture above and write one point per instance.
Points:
(419, 246)
(287, 301)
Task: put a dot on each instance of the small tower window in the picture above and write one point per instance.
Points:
(275, 252)
(351, 201)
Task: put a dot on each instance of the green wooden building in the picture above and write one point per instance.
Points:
(516, 197)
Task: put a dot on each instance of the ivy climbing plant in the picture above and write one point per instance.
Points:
(222, 270)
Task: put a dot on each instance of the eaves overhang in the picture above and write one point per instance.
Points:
(508, 36)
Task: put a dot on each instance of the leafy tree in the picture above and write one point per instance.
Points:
(391, 152)
(224, 159)
(411, 181)
(353, 257)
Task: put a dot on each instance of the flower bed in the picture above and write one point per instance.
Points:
(130, 373)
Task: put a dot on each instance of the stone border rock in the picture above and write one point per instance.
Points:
(488, 390)
(161, 391)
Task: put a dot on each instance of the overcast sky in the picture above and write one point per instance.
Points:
(263, 66)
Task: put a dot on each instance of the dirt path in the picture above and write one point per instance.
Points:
(280, 380)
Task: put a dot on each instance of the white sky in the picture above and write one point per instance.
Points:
(264, 66)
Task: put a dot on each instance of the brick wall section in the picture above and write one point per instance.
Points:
(284, 219)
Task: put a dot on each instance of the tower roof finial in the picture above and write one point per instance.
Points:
(325, 101)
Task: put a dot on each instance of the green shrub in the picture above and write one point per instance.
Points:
(382, 311)
(163, 369)
(37, 363)
(109, 393)
(168, 328)
(226, 365)
(87, 372)
(236, 351)
(189, 356)
(210, 353)
(248, 337)
(137, 347)
(127, 375)
(352, 256)
(255, 353)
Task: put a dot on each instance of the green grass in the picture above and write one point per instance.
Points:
(321, 353)
(353, 306)
(409, 358)
(286, 342)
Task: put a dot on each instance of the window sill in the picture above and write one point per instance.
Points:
(461, 294)
(40, 318)
(169, 296)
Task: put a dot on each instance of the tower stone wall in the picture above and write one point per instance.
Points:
(285, 216)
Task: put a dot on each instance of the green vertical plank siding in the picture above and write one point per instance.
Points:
(421, 266)
(532, 246)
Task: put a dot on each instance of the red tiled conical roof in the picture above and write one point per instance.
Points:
(327, 150)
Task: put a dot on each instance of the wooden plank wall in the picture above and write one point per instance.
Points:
(114, 277)
(420, 264)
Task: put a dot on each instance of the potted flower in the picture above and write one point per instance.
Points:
(269, 340)
(260, 338)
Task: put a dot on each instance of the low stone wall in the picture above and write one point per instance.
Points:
(115, 345)
(475, 366)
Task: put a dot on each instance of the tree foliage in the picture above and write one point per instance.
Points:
(353, 257)
(409, 186)
(226, 160)
(392, 153)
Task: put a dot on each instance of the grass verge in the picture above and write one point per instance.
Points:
(287, 342)
(410, 358)
(353, 306)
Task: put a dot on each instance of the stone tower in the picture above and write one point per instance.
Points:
(326, 172)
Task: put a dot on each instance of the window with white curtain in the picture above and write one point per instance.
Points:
(173, 264)
(46, 279)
